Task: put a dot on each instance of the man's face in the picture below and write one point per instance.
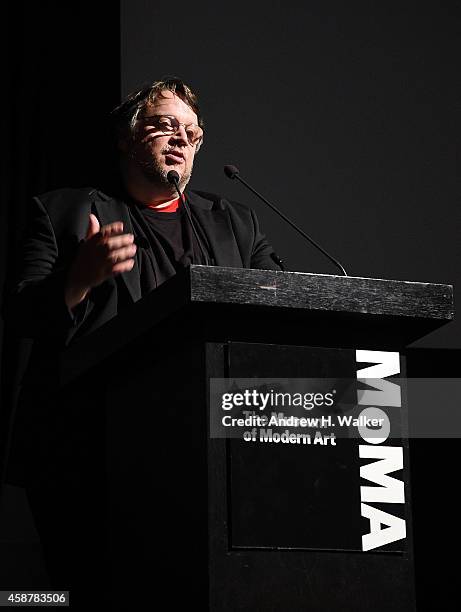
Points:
(156, 153)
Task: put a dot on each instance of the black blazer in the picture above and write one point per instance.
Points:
(58, 222)
(35, 306)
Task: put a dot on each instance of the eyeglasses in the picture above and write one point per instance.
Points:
(169, 125)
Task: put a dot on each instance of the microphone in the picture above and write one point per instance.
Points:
(233, 173)
(173, 178)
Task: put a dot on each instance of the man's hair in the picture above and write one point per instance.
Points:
(125, 115)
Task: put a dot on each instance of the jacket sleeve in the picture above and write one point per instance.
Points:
(262, 252)
(35, 305)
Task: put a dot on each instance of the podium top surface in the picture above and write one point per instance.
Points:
(321, 292)
(234, 304)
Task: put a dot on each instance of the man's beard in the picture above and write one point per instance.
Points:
(157, 174)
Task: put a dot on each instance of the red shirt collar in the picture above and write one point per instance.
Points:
(172, 207)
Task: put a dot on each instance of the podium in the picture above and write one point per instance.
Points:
(220, 523)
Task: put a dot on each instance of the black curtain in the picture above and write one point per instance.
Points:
(61, 79)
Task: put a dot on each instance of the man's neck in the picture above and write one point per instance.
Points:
(144, 191)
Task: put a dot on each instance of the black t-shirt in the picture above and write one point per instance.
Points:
(165, 242)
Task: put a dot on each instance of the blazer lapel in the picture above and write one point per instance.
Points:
(108, 210)
(217, 227)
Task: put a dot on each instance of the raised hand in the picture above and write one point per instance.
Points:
(106, 251)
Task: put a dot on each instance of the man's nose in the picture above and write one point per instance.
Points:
(181, 135)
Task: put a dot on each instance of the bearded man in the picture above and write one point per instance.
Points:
(90, 254)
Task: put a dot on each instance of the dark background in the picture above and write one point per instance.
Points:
(344, 114)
